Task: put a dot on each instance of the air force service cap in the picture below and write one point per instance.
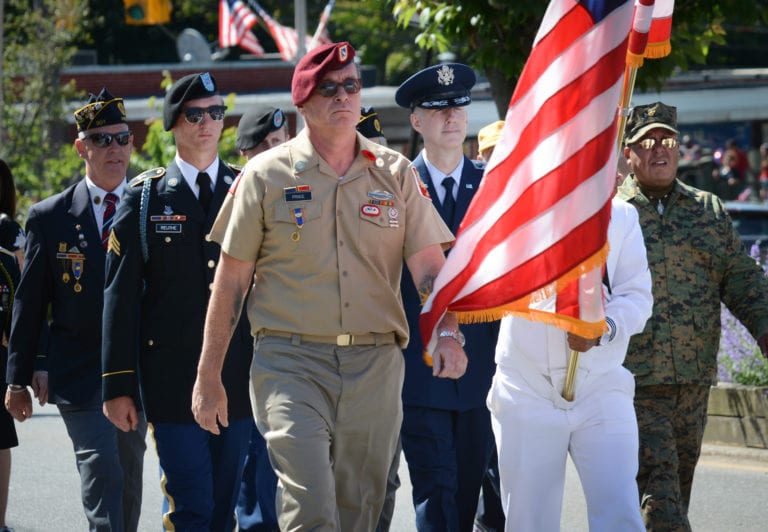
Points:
(437, 87)
(256, 124)
(190, 87)
(101, 110)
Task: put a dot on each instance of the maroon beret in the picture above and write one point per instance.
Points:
(313, 67)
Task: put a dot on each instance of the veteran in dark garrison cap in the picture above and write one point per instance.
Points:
(67, 236)
(437, 414)
(261, 128)
(370, 125)
(324, 222)
(153, 335)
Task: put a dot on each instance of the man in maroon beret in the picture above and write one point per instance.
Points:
(319, 229)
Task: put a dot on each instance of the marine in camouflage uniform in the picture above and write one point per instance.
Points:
(696, 261)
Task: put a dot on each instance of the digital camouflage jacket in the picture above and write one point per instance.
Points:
(696, 260)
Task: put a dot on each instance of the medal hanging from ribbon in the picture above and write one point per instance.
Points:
(298, 216)
(77, 271)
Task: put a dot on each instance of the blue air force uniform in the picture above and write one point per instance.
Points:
(446, 432)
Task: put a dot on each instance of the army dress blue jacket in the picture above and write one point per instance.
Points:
(154, 310)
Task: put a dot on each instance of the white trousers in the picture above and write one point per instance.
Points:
(534, 436)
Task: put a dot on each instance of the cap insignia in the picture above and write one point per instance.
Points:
(278, 118)
(205, 77)
(445, 75)
(343, 53)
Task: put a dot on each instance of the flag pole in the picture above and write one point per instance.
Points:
(322, 23)
(630, 75)
(634, 61)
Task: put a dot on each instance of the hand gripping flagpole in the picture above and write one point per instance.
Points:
(638, 40)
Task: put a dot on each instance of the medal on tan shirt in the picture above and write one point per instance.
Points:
(298, 216)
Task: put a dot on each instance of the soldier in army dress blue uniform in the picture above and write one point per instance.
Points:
(158, 271)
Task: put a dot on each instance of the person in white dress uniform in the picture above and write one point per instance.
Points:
(536, 429)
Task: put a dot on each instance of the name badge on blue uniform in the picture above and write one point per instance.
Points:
(167, 228)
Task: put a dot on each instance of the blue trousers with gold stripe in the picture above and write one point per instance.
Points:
(200, 473)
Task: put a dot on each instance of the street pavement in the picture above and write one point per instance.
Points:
(729, 493)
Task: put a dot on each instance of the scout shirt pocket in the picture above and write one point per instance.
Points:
(380, 225)
(294, 223)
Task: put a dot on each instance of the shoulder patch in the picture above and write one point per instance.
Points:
(236, 168)
(154, 173)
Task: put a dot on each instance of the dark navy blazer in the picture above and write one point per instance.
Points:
(63, 268)
(154, 312)
(420, 387)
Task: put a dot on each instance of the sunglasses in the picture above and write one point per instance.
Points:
(102, 140)
(328, 89)
(194, 115)
(666, 142)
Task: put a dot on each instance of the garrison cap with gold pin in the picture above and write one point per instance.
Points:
(102, 109)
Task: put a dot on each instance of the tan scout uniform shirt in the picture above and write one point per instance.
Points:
(342, 274)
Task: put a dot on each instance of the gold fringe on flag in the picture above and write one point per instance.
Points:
(657, 50)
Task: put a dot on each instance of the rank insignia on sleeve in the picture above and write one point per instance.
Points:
(114, 244)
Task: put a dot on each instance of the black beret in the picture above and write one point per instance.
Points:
(369, 124)
(190, 87)
(437, 87)
(101, 110)
(256, 123)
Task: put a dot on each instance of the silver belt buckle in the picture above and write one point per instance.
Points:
(344, 340)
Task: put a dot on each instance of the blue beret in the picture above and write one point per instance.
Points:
(437, 87)
(190, 87)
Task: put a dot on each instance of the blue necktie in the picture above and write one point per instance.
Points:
(449, 202)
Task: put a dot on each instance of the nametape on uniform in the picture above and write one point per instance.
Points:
(298, 193)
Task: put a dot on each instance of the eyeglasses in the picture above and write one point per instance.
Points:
(102, 140)
(666, 142)
(194, 115)
(328, 89)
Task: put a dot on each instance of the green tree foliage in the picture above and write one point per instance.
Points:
(496, 35)
(372, 29)
(37, 43)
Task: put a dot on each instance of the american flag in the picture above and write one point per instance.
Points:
(235, 23)
(661, 30)
(534, 239)
(285, 37)
(651, 31)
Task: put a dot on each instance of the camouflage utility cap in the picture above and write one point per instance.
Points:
(644, 118)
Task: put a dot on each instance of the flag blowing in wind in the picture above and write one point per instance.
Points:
(285, 37)
(534, 240)
(235, 23)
